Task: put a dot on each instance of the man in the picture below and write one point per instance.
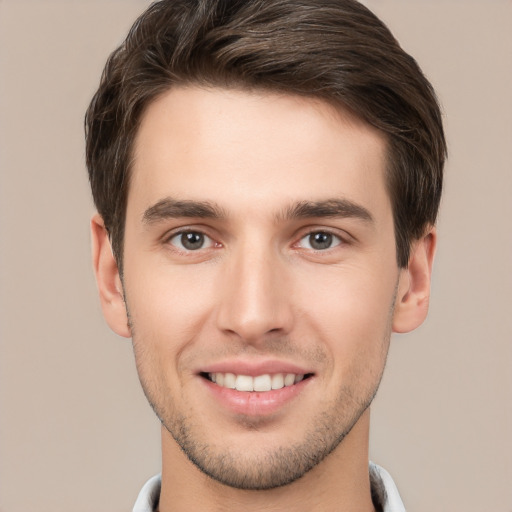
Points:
(267, 176)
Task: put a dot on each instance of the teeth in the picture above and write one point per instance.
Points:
(230, 380)
(259, 383)
(289, 379)
(262, 383)
(244, 383)
(277, 381)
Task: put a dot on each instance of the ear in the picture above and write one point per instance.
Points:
(108, 280)
(413, 295)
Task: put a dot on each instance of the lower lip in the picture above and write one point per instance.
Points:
(255, 403)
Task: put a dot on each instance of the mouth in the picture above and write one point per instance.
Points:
(259, 383)
(255, 389)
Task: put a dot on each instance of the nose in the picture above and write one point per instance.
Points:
(255, 300)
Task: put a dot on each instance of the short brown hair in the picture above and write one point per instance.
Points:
(336, 50)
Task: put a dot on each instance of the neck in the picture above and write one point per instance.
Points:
(339, 482)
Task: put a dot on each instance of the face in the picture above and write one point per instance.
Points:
(260, 277)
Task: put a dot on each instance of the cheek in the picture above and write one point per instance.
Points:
(170, 294)
(167, 309)
(168, 305)
(350, 311)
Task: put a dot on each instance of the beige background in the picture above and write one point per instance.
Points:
(75, 431)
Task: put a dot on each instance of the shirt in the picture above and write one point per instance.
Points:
(384, 492)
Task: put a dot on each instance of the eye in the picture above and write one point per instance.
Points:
(319, 241)
(191, 241)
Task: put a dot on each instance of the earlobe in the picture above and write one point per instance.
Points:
(413, 293)
(108, 280)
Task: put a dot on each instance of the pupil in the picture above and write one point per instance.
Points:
(192, 240)
(320, 240)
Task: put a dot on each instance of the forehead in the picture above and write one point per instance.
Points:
(241, 148)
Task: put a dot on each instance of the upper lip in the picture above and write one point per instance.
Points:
(255, 368)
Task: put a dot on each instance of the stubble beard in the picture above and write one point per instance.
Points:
(274, 468)
(271, 468)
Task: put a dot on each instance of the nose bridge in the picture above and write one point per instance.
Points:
(254, 300)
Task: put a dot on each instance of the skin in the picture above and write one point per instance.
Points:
(260, 292)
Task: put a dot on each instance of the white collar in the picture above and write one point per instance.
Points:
(384, 490)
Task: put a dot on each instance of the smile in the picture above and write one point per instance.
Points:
(258, 383)
(255, 390)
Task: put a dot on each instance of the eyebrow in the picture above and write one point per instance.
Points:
(169, 208)
(329, 208)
